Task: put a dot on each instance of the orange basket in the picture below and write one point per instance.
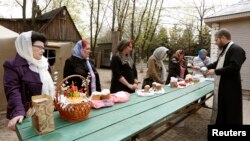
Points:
(73, 112)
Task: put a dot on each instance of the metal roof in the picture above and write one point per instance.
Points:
(235, 11)
(241, 7)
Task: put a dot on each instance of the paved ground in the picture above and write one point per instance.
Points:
(193, 129)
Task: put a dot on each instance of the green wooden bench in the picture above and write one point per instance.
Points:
(122, 121)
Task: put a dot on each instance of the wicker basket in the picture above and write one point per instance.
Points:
(73, 112)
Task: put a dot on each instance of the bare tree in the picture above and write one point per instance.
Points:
(33, 16)
(202, 11)
(97, 27)
(157, 21)
(122, 11)
(133, 21)
(59, 3)
(141, 22)
(113, 18)
(74, 8)
(91, 5)
(23, 6)
(95, 20)
(147, 28)
(36, 11)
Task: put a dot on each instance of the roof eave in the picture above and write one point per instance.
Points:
(231, 17)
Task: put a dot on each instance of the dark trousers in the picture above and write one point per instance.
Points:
(203, 98)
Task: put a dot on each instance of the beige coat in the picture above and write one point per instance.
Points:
(154, 70)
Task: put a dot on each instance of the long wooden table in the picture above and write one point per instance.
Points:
(121, 121)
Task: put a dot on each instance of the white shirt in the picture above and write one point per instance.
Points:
(198, 62)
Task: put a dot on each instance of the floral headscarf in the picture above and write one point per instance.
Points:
(178, 53)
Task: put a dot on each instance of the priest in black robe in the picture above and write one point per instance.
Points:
(227, 103)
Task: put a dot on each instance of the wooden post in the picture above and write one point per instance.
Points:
(115, 41)
(99, 58)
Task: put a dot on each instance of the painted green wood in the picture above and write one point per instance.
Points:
(116, 107)
(26, 131)
(123, 130)
(133, 100)
(101, 120)
(30, 132)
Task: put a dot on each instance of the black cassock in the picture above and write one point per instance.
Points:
(229, 89)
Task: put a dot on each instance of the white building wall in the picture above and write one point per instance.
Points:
(214, 49)
(240, 34)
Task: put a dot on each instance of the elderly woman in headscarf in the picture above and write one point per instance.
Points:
(156, 69)
(201, 60)
(177, 66)
(79, 63)
(124, 73)
(26, 75)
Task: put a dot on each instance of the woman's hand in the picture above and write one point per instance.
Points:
(210, 72)
(162, 82)
(133, 86)
(180, 79)
(13, 121)
(196, 67)
(137, 81)
(206, 62)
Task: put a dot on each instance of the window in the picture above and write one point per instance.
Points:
(51, 56)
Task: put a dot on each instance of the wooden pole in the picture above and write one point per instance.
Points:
(115, 40)
(99, 58)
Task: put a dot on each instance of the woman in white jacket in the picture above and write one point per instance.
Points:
(200, 61)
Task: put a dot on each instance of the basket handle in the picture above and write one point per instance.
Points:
(58, 88)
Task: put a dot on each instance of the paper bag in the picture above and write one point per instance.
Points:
(42, 118)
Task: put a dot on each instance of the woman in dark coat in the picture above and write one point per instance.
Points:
(177, 66)
(80, 64)
(124, 73)
(26, 75)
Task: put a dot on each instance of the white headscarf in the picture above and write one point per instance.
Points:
(159, 54)
(24, 49)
